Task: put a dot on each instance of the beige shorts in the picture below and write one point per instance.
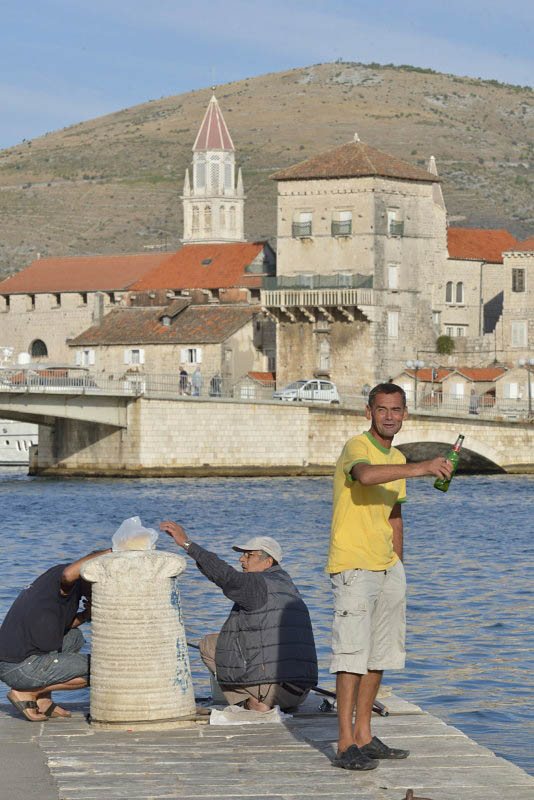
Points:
(369, 620)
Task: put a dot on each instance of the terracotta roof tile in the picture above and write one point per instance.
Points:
(195, 325)
(266, 378)
(82, 273)
(526, 245)
(425, 374)
(354, 160)
(479, 244)
(205, 266)
(481, 373)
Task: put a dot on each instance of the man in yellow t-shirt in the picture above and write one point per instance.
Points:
(365, 566)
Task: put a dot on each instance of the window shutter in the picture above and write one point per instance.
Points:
(127, 356)
(91, 356)
(141, 356)
(183, 355)
(78, 358)
(199, 355)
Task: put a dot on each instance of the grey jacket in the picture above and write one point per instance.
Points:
(268, 636)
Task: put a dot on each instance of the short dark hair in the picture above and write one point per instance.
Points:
(386, 388)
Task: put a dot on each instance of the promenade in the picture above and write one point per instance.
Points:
(69, 760)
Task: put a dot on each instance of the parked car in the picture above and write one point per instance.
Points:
(311, 391)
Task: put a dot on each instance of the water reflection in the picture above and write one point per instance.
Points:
(470, 635)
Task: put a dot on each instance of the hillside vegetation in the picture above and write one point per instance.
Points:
(113, 184)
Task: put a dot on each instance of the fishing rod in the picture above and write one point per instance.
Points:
(378, 707)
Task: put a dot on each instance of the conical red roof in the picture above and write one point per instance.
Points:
(213, 133)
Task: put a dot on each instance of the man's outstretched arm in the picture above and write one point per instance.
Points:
(372, 475)
(71, 573)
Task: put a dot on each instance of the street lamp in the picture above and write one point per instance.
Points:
(528, 363)
(416, 366)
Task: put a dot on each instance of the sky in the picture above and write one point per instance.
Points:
(67, 61)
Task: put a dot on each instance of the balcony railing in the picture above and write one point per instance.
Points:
(301, 230)
(341, 227)
(313, 281)
(396, 228)
(316, 297)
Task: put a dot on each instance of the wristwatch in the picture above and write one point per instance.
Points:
(187, 544)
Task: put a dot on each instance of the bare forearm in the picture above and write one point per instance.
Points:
(71, 573)
(372, 475)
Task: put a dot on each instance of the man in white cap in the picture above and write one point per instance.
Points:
(264, 655)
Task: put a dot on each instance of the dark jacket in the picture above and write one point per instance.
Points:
(268, 636)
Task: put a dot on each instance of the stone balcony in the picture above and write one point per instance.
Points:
(313, 304)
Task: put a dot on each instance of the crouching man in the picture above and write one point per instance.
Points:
(40, 641)
(264, 655)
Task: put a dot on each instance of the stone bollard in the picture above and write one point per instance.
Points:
(140, 673)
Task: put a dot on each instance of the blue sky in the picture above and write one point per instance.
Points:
(64, 61)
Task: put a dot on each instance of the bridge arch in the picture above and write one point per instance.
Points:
(419, 444)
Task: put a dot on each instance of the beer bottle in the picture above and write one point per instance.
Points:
(453, 455)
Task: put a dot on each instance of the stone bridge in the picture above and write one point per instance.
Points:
(108, 433)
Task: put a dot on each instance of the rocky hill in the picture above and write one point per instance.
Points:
(113, 184)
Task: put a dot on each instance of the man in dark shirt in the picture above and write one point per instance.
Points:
(265, 653)
(40, 641)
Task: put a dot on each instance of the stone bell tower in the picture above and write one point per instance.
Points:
(213, 201)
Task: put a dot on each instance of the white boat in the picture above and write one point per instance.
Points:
(16, 438)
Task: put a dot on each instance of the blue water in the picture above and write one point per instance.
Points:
(468, 557)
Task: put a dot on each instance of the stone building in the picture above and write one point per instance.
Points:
(361, 237)
(137, 344)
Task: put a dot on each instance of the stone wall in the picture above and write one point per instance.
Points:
(197, 437)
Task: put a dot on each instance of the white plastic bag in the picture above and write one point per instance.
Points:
(236, 715)
(131, 535)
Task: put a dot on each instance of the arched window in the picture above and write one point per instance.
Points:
(214, 176)
(207, 218)
(195, 220)
(228, 174)
(448, 292)
(232, 218)
(38, 349)
(459, 292)
(222, 217)
(201, 173)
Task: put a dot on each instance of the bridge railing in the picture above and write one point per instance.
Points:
(245, 389)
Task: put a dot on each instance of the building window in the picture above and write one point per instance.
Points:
(232, 218)
(135, 356)
(207, 218)
(222, 217)
(200, 173)
(449, 331)
(31, 298)
(459, 292)
(302, 225)
(393, 277)
(57, 299)
(111, 297)
(195, 220)
(519, 333)
(228, 174)
(192, 355)
(344, 280)
(83, 297)
(342, 223)
(458, 389)
(511, 391)
(85, 358)
(518, 280)
(460, 330)
(324, 355)
(395, 225)
(448, 292)
(436, 317)
(38, 349)
(393, 324)
(214, 176)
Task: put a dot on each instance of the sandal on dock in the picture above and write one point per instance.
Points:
(353, 758)
(377, 749)
(26, 705)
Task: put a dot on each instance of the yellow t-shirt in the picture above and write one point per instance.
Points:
(361, 536)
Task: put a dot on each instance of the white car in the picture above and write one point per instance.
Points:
(312, 391)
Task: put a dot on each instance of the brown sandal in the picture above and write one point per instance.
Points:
(51, 712)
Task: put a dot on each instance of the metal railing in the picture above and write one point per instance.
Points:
(246, 389)
(336, 280)
(301, 229)
(341, 227)
(286, 298)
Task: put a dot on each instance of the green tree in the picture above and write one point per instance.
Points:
(444, 345)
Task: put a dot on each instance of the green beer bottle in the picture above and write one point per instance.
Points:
(453, 455)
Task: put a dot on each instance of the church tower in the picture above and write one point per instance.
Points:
(213, 201)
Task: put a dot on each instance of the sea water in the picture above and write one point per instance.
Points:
(468, 557)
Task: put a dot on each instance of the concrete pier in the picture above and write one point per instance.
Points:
(69, 760)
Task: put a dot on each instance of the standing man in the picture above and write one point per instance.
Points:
(40, 641)
(265, 653)
(365, 566)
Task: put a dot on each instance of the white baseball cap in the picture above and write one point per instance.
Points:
(265, 543)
